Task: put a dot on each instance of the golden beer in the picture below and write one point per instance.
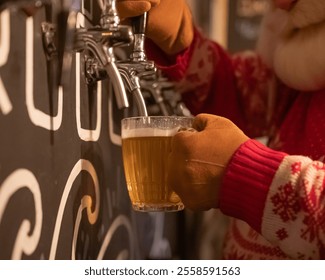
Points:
(146, 146)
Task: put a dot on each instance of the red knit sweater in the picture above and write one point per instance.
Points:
(278, 200)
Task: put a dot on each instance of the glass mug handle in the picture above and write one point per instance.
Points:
(190, 129)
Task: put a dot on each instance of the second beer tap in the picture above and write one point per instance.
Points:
(137, 67)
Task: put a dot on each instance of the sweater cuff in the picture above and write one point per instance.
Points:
(173, 66)
(247, 180)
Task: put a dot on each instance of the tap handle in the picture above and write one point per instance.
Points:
(139, 24)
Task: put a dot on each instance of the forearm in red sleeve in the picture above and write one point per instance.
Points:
(280, 196)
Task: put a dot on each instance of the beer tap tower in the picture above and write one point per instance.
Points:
(62, 39)
(136, 76)
(125, 75)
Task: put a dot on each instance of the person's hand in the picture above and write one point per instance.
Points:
(169, 24)
(198, 160)
(133, 8)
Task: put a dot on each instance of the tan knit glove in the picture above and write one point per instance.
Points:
(198, 160)
(132, 8)
(169, 21)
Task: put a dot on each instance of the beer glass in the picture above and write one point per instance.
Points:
(146, 144)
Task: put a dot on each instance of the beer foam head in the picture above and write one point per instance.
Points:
(148, 132)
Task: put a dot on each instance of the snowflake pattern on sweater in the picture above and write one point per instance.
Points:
(292, 221)
(295, 208)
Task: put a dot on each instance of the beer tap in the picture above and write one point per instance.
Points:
(66, 19)
(137, 67)
(141, 78)
(100, 41)
(155, 87)
(162, 97)
(58, 32)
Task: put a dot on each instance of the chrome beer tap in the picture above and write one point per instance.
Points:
(61, 39)
(147, 84)
(162, 97)
(58, 32)
(100, 41)
(66, 18)
(137, 67)
(155, 87)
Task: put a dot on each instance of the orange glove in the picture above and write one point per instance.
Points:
(198, 160)
(169, 21)
(132, 8)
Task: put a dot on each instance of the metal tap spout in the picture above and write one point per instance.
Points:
(132, 82)
(131, 73)
(97, 42)
(100, 41)
(137, 67)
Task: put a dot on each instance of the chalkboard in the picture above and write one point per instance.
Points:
(62, 188)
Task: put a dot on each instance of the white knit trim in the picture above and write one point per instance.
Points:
(306, 176)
